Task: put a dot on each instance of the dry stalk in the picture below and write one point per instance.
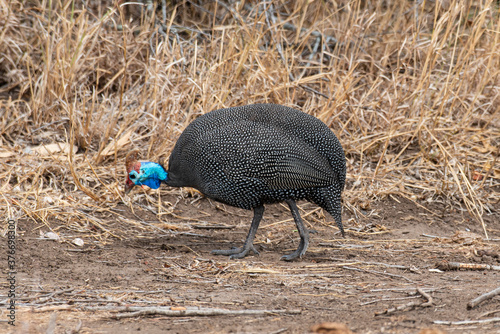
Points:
(476, 301)
(408, 98)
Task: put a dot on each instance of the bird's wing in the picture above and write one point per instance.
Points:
(261, 152)
(299, 168)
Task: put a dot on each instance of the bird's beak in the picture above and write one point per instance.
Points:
(128, 187)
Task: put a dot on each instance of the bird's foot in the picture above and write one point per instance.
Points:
(297, 254)
(290, 257)
(236, 253)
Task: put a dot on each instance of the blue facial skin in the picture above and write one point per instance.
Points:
(150, 174)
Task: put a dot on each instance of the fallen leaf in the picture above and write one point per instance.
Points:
(331, 328)
(78, 242)
(431, 331)
(45, 150)
(6, 154)
(110, 148)
(477, 176)
(466, 238)
(177, 308)
(49, 235)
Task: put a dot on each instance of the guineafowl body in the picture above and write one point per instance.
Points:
(256, 154)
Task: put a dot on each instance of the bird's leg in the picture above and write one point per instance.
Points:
(241, 252)
(303, 232)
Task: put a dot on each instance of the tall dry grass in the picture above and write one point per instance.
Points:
(412, 89)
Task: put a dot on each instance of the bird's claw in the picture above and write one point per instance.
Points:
(295, 255)
(236, 253)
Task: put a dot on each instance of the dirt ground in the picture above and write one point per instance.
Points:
(387, 254)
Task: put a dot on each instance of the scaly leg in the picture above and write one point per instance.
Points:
(241, 252)
(303, 232)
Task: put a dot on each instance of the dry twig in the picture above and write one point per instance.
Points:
(410, 305)
(378, 273)
(185, 312)
(447, 266)
(467, 322)
(476, 301)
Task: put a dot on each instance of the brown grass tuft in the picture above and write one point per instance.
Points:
(412, 90)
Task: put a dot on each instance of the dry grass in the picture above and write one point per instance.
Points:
(411, 89)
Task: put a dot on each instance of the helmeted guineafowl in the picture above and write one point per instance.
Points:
(252, 155)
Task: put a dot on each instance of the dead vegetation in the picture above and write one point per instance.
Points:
(412, 90)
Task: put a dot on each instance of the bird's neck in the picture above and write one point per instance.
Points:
(154, 170)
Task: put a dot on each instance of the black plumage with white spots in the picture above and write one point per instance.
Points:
(256, 154)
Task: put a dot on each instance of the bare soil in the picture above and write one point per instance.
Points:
(410, 87)
(388, 253)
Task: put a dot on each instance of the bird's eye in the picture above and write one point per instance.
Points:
(132, 176)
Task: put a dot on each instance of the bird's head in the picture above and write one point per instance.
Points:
(143, 173)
